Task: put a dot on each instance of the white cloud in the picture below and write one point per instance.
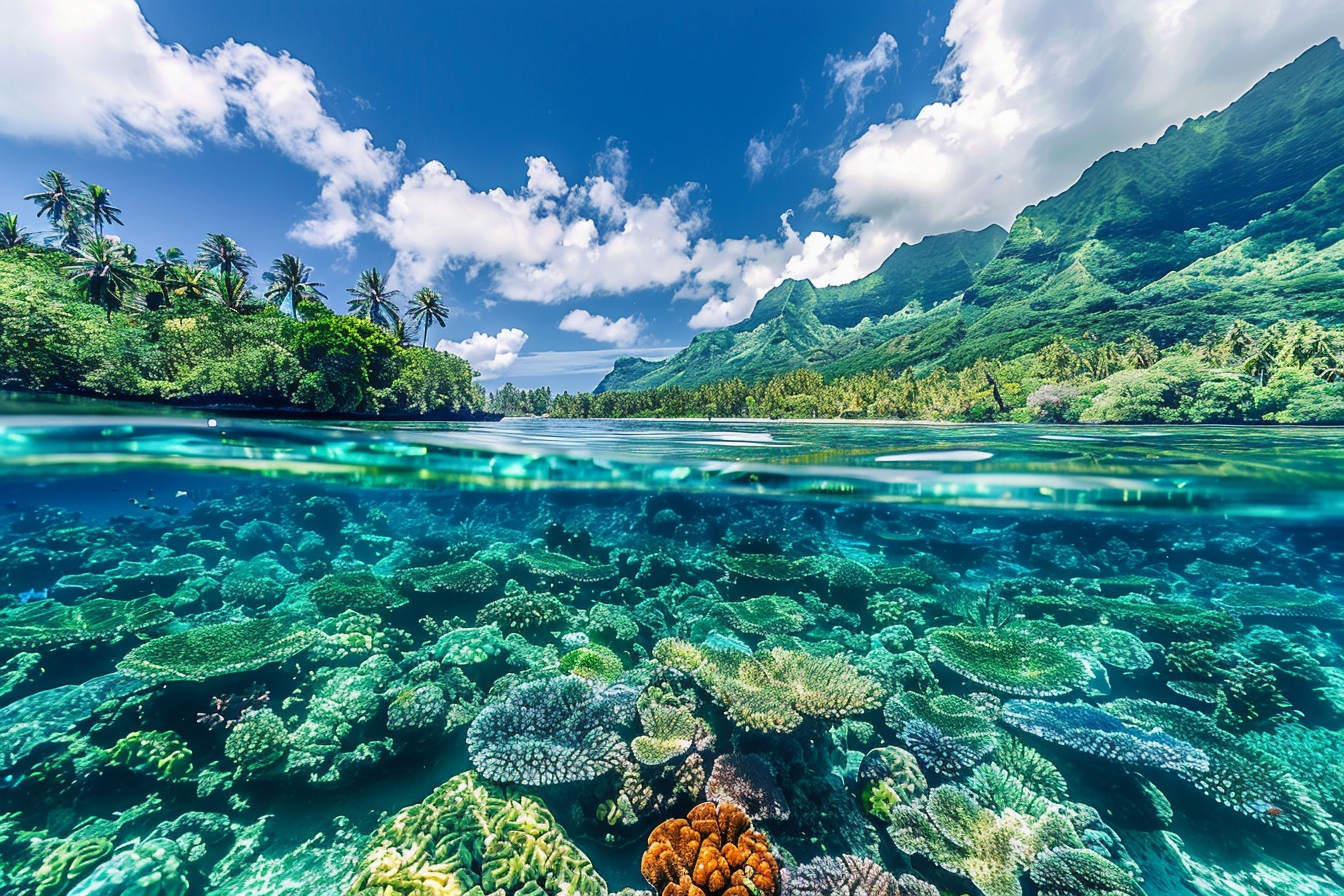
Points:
(851, 75)
(591, 361)
(547, 243)
(1039, 89)
(622, 332)
(490, 355)
(97, 74)
(758, 157)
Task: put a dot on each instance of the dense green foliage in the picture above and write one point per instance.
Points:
(1233, 216)
(91, 320)
(1289, 372)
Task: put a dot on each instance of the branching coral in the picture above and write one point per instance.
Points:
(1008, 660)
(746, 779)
(773, 690)
(211, 650)
(520, 610)
(551, 731)
(713, 851)
(953, 716)
(258, 743)
(848, 875)
(470, 836)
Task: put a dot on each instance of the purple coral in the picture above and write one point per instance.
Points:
(746, 779)
(851, 876)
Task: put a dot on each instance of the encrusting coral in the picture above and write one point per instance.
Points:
(713, 851)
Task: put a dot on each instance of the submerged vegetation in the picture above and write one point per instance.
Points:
(540, 694)
(85, 316)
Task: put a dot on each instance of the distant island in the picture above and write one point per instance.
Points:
(1196, 279)
(85, 316)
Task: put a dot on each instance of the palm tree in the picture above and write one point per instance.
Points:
(11, 234)
(97, 205)
(373, 299)
(225, 257)
(288, 279)
(427, 307)
(163, 272)
(192, 283)
(232, 290)
(104, 268)
(58, 196)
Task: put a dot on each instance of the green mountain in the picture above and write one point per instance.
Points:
(1238, 214)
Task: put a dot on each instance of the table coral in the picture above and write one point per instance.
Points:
(356, 589)
(1009, 660)
(1090, 730)
(713, 851)
(208, 651)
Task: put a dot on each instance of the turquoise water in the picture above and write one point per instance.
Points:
(250, 658)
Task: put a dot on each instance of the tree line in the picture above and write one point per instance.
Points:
(178, 327)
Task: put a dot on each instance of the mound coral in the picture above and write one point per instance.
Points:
(1008, 660)
(470, 836)
(258, 742)
(890, 776)
(1090, 730)
(520, 610)
(746, 779)
(468, 646)
(358, 590)
(848, 875)
(161, 754)
(154, 867)
(593, 662)
(713, 851)
(773, 690)
(417, 712)
(207, 651)
(551, 731)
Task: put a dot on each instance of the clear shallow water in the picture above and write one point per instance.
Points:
(1117, 649)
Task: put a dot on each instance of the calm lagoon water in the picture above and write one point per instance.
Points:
(250, 658)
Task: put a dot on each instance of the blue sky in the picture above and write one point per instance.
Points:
(642, 155)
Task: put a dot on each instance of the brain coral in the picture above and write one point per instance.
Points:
(470, 836)
(210, 650)
(551, 731)
(713, 851)
(848, 875)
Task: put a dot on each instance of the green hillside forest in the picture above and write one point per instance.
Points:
(85, 316)
(1198, 278)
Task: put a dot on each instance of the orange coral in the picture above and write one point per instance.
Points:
(713, 851)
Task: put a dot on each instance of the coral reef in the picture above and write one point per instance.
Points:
(713, 851)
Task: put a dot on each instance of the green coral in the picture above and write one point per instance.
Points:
(470, 836)
(611, 623)
(207, 651)
(49, 623)
(1081, 872)
(891, 777)
(773, 690)
(991, 849)
(670, 727)
(258, 742)
(468, 646)
(1008, 660)
(161, 754)
(1030, 767)
(521, 610)
(358, 590)
(1280, 600)
(593, 662)
(766, 615)
(771, 567)
(1143, 613)
(68, 862)
(464, 577)
(954, 716)
(153, 867)
(551, 565)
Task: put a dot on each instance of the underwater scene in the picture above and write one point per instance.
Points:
(681, 658)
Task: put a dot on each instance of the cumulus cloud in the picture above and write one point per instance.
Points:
(97, 74)
(547, 243)
(622, 332)
(490, 355)
(851, 76)
(1036, 90)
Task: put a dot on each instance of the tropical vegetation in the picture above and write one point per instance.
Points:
(83, 315)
